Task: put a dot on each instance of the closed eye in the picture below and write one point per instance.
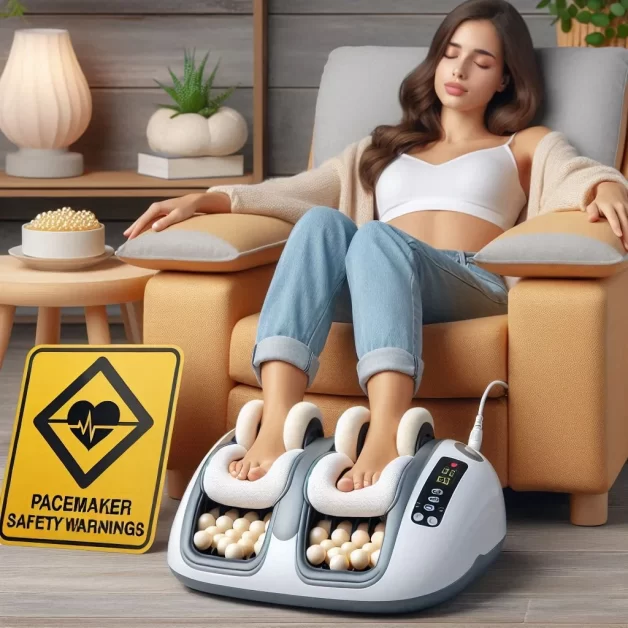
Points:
(484, 67)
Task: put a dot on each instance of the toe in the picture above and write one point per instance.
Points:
(375, 477)
(358, 480)
(345, 483)
(232, 468)
(244, 470)
(257, 472)
(368, 478)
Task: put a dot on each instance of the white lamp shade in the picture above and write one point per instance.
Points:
(45, 100)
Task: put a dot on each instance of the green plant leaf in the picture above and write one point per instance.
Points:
(600, 19)
(210, 81)
(572, 10)
(198, 76)
(617, 9)
(595, 5)
(221, 98)
(552, 9)
(169, 90)
(595, 39)
(622, 31)
(542, 4)
(580, 3)
(565, 25)
(609, 33)
(175, 81)
(624, 3)
(563, 14)
(584, 17)
(561, 4)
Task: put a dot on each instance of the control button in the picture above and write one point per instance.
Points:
(441, 509)
(454, 464)
(437, 491)
(432, 521)
(417, 516)
(433, 499)
(428, 507)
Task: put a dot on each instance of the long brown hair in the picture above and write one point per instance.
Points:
(508, 111)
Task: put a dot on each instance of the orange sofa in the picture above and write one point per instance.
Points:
(562, 348)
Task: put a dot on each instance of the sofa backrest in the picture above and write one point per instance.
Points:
(586, 97)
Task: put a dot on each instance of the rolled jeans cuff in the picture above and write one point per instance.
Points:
(389, 359)
(288, 350)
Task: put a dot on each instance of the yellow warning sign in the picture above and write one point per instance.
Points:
(89, 448)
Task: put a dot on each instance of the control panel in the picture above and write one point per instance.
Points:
(436, 493)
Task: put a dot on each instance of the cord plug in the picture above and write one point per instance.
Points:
(475, 438)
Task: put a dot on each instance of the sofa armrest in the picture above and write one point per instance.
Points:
(557, 244)
(197, 312)
(567, 396)
(209, 243)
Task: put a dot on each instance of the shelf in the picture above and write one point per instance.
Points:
(110, 183)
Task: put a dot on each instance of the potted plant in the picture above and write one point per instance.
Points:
(589, 22)
(201, 125)
(14, 9)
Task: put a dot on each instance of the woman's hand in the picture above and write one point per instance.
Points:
(611, 201)
(178, 209)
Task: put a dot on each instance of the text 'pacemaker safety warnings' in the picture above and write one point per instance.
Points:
(90, 445)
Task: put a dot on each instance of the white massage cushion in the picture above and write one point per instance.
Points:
(369, 501)
(348, 430)
(223, 488)
(409, 427)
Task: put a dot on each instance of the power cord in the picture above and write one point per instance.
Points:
(475, 438)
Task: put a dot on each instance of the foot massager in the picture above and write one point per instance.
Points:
(432, 523)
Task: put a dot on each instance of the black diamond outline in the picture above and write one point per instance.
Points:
(144, 422)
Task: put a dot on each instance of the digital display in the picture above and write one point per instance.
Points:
(436, 493)
(445, 475)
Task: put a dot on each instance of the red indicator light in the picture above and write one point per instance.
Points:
(454, 464)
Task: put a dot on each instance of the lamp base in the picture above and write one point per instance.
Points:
(44, 163)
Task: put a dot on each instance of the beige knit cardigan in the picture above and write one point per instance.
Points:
(561, 179)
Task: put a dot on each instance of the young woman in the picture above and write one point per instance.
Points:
(450, 177)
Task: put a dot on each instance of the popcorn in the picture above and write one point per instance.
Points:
(64, 219)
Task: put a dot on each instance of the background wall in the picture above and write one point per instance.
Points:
(124, 46)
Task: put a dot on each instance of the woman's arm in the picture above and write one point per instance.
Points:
(564, 179)
(289, 198)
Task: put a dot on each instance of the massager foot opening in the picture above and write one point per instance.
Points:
(343, 543)
(232, 533)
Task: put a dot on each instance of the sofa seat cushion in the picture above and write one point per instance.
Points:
(461, 358)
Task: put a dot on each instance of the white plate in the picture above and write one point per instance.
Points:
(40, 263)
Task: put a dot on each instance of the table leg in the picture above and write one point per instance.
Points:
(132, 315)
(7, 314)
(48, 330)
(97, 325)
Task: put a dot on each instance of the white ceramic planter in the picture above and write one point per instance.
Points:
(194, 135)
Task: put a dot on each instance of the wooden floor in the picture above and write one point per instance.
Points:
(549, 573)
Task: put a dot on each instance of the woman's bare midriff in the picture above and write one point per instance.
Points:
(451, 229)
(448, 229)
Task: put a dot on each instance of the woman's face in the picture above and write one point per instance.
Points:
(478, 72)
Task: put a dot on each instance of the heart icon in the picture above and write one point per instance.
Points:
(93, 424)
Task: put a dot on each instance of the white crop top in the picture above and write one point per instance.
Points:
(483, 183)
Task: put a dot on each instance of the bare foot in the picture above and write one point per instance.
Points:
(268, 446)
(378, 451)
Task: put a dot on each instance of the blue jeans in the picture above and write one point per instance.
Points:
(378, 277)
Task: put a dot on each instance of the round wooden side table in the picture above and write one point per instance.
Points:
(111, 282)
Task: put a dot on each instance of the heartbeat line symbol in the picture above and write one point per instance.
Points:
(86, 425)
